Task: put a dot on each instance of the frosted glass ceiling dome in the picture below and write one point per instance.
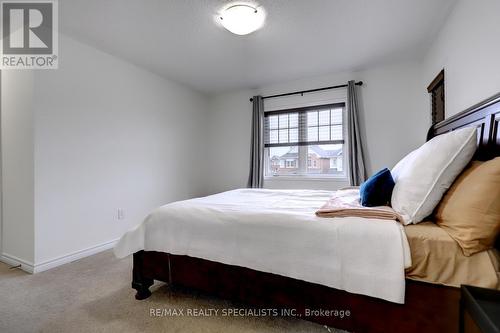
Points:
(242, 18)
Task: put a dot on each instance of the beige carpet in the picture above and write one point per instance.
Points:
(94, 295)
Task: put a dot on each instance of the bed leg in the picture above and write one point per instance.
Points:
(139, 281)
(143, 291)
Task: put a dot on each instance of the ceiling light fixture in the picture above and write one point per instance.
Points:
(242, 18)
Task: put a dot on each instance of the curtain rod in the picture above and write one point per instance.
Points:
(359, 83)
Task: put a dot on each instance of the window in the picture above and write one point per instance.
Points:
(436, 90)
(305, 141)
(336, 163)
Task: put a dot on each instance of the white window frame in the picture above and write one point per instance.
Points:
(303, 159)
(324, 97)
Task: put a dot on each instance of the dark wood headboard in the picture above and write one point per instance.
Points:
(485, 116)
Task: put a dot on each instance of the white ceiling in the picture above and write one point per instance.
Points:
(180, 40)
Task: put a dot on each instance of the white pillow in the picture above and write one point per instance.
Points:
(424, 175)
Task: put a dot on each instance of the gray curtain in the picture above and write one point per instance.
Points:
(256, 177)
(357, 172)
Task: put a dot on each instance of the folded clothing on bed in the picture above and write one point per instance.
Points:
(346, 203)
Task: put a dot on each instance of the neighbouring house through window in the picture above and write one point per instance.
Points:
(305, 141)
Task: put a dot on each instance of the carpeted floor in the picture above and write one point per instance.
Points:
(94, 295)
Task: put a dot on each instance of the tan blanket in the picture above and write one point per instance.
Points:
(346, 203)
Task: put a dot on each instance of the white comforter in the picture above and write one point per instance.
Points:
(276, 231)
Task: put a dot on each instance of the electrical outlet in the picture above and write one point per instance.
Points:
(120, 214)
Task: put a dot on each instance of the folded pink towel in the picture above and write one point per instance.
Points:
(346, 203)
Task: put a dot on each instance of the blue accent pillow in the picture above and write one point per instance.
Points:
(377, 190)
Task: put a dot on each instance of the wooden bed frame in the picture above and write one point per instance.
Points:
(428, 307)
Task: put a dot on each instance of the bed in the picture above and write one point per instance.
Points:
(277, 231)
(428, 307)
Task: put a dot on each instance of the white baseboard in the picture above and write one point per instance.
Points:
(52, 263)
(14, 261)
